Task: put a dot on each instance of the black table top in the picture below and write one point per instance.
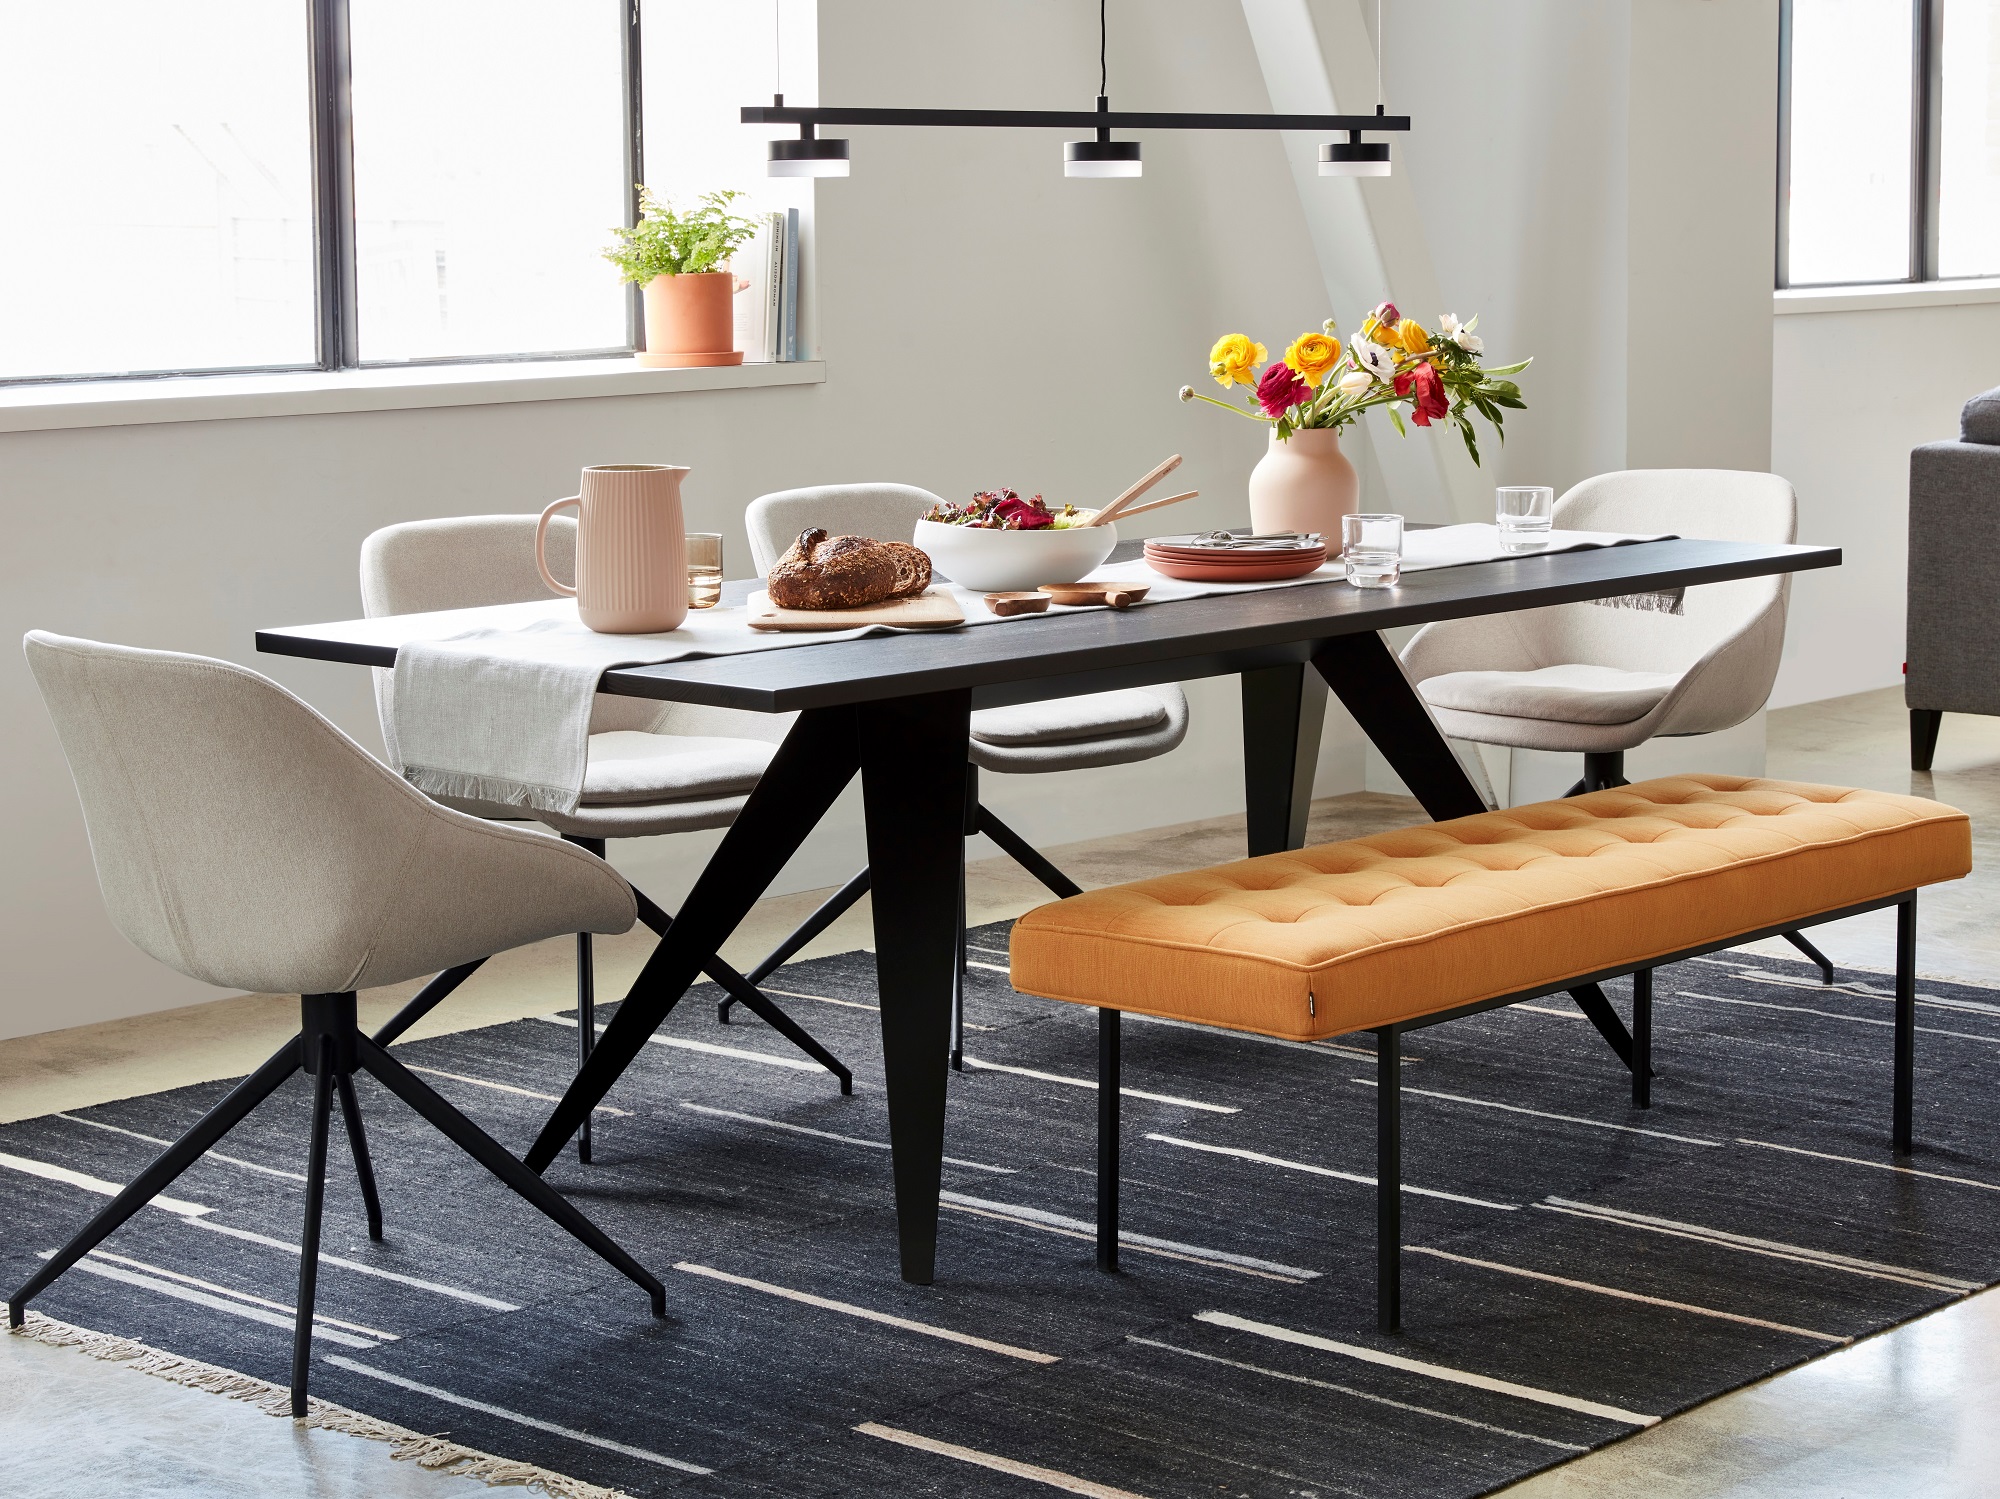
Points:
(1041, 656)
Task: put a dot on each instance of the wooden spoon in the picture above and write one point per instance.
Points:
(1110, 512)
(1172, 499)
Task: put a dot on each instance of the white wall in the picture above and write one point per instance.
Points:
(1854, 392)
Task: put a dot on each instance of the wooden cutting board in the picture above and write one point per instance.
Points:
(929, 610)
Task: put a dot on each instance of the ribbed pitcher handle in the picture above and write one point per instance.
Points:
(541, 536)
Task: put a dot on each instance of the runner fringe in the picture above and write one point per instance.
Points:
(434, 1453)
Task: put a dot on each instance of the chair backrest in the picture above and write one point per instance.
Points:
(242, 839)
(1714, 504)
(887, 512)
(464, 562)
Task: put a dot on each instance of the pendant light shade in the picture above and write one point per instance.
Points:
(1354, 158)
(1101, 159)
(808, 157)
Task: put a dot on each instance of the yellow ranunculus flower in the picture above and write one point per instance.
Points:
(1234, 360)
(1410, 334)
(1313, 355)
(1378, 332)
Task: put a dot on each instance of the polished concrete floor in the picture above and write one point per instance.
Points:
(1909, 1413)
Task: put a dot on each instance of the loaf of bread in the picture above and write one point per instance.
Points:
(846, 572)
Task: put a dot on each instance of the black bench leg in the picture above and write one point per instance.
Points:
(1107, 1140)
(1389, 1179)
(1906, 1020)
(1642, 1039)
(1924, 726)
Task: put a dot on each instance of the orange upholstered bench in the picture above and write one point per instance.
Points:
(1408, 929)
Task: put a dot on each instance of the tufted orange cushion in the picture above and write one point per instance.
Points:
(1404, 924)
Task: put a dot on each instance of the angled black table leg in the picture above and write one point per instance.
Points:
(913, 778)
(1284, 709)
(1368, 679)
(812, 767)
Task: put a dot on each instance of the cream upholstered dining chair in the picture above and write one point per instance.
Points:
(1598, 680)
(243, 840)
(1070, 733)
(653, 767)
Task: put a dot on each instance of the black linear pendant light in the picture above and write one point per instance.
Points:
(812, 155)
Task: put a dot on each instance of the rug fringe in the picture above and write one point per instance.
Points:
(434, 1453)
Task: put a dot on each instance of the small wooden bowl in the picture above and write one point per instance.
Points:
(1005, 604)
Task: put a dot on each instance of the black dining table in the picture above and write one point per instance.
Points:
(895, 709)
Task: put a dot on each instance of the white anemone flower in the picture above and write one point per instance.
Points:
(1373, 358)
(1461, 333)
(1355, 382)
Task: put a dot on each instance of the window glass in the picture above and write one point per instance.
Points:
(157, 186)
(1969, 140)
(1849, 214)
(488, 174)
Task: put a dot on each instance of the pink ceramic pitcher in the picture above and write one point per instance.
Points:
(631, 548)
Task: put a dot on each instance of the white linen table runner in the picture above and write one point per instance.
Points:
(493, 704)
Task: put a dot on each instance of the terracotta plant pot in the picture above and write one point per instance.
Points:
(691, 320)
(1304, 484)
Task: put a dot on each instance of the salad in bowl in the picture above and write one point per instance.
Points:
(999, 542)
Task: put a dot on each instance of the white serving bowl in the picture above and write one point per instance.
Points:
(1008, 561)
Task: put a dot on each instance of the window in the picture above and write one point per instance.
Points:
(202, 186)
(1889, 141)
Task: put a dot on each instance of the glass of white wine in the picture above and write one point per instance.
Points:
(704, 553)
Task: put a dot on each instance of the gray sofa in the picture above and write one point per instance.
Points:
(1953, 648)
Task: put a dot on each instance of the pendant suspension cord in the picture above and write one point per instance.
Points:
(778, 46)
(1381, 46)
(1103, 66)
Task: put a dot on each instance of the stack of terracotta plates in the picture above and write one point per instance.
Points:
(1221, 558)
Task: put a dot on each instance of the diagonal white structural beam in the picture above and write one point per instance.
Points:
(1317, 57)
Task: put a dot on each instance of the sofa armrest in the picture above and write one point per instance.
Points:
(1953, 642)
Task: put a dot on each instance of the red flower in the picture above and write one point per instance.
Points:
(1431, 399)
(1024, 515)
(1281, 388)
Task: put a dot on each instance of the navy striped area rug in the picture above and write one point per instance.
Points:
(1577, 1270)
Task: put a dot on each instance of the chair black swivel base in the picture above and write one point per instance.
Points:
(978, 819)
(1605, 769)
(739, 987)
(331, 1047)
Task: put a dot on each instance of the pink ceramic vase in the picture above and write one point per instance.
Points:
(631, 549)
(1304, 484)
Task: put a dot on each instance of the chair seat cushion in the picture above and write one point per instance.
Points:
(1375, 930)
(628, 767)
(1558, 694)
(1064, 720)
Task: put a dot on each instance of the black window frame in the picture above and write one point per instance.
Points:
(337, 321)
(1926, 97)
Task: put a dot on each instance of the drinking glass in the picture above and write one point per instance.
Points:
(704, 569)
(1523, 514)
(1372, 549)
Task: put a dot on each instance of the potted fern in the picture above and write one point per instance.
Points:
(679, 259)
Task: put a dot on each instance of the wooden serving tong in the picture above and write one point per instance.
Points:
(1117, 507)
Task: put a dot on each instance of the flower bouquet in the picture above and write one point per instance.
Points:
(1321, 384)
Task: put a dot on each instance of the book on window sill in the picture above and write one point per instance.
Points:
(767, 311)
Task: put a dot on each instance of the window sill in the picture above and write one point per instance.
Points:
(1886, 298)
(124, 403)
